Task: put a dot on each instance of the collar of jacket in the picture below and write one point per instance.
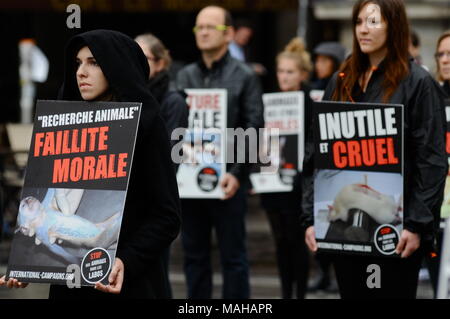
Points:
(374, 82)
(216, 64)
(446, 87)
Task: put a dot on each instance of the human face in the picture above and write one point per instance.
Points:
(90, 78)
(324, 66)
(371, 31)
(156, 65)
(207, 36)
(289, 75)
(243, 35)
(444, 60)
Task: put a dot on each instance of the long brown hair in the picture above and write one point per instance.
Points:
(444, 35)
(396, 60)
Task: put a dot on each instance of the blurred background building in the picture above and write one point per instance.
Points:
(275, 23)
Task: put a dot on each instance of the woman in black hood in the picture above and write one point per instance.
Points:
(151, 216)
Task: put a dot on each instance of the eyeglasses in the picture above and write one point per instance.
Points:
(440, 55)
(219, 27)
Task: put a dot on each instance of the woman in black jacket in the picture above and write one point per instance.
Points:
(105, 65)
(380, 71)
(282, 208)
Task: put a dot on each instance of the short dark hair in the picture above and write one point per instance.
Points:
(240, 23)
(228, 17)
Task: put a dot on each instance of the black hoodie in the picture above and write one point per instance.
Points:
(151, 217)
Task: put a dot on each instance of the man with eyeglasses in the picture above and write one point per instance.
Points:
(217, 69)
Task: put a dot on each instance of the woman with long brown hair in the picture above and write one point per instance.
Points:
(380, 71)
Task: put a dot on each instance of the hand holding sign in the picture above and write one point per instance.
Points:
(230, 185)
(12, 283)
(115, 279)
(310, 239)
(409, 243)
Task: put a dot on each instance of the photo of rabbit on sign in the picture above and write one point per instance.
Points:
(358, 209)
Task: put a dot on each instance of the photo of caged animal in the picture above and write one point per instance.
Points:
(358, 209)
(55, 224)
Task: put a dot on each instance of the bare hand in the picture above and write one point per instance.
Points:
(230, 185)
(12, 283)
(310, 239)
(115, 279)
(409, 243)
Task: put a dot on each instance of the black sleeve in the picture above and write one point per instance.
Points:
(253, 117)
(175, 113)
(307, 215)
(152, 212)
(429, 166)
(182, 80)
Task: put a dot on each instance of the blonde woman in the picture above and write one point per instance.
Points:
(283, 208)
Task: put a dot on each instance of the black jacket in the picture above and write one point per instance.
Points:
(446, 87)
(174, 109)
(151, 218)
(245, 106)
(425, 166)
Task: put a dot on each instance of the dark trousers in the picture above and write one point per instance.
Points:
(398, 276)
(324, 263)
(199, 216)
(292, 254)
(434, 263)
(166, 262)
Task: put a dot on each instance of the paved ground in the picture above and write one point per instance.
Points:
(264, 280)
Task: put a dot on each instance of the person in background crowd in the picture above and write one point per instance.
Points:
(217, 69)
(443, 61)
(414, 49)
(174, 109)
(105, 65)
(307, 66)
(282, 208)
(380, 71)
(443, 76)
(243, 33)
(328, 57)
